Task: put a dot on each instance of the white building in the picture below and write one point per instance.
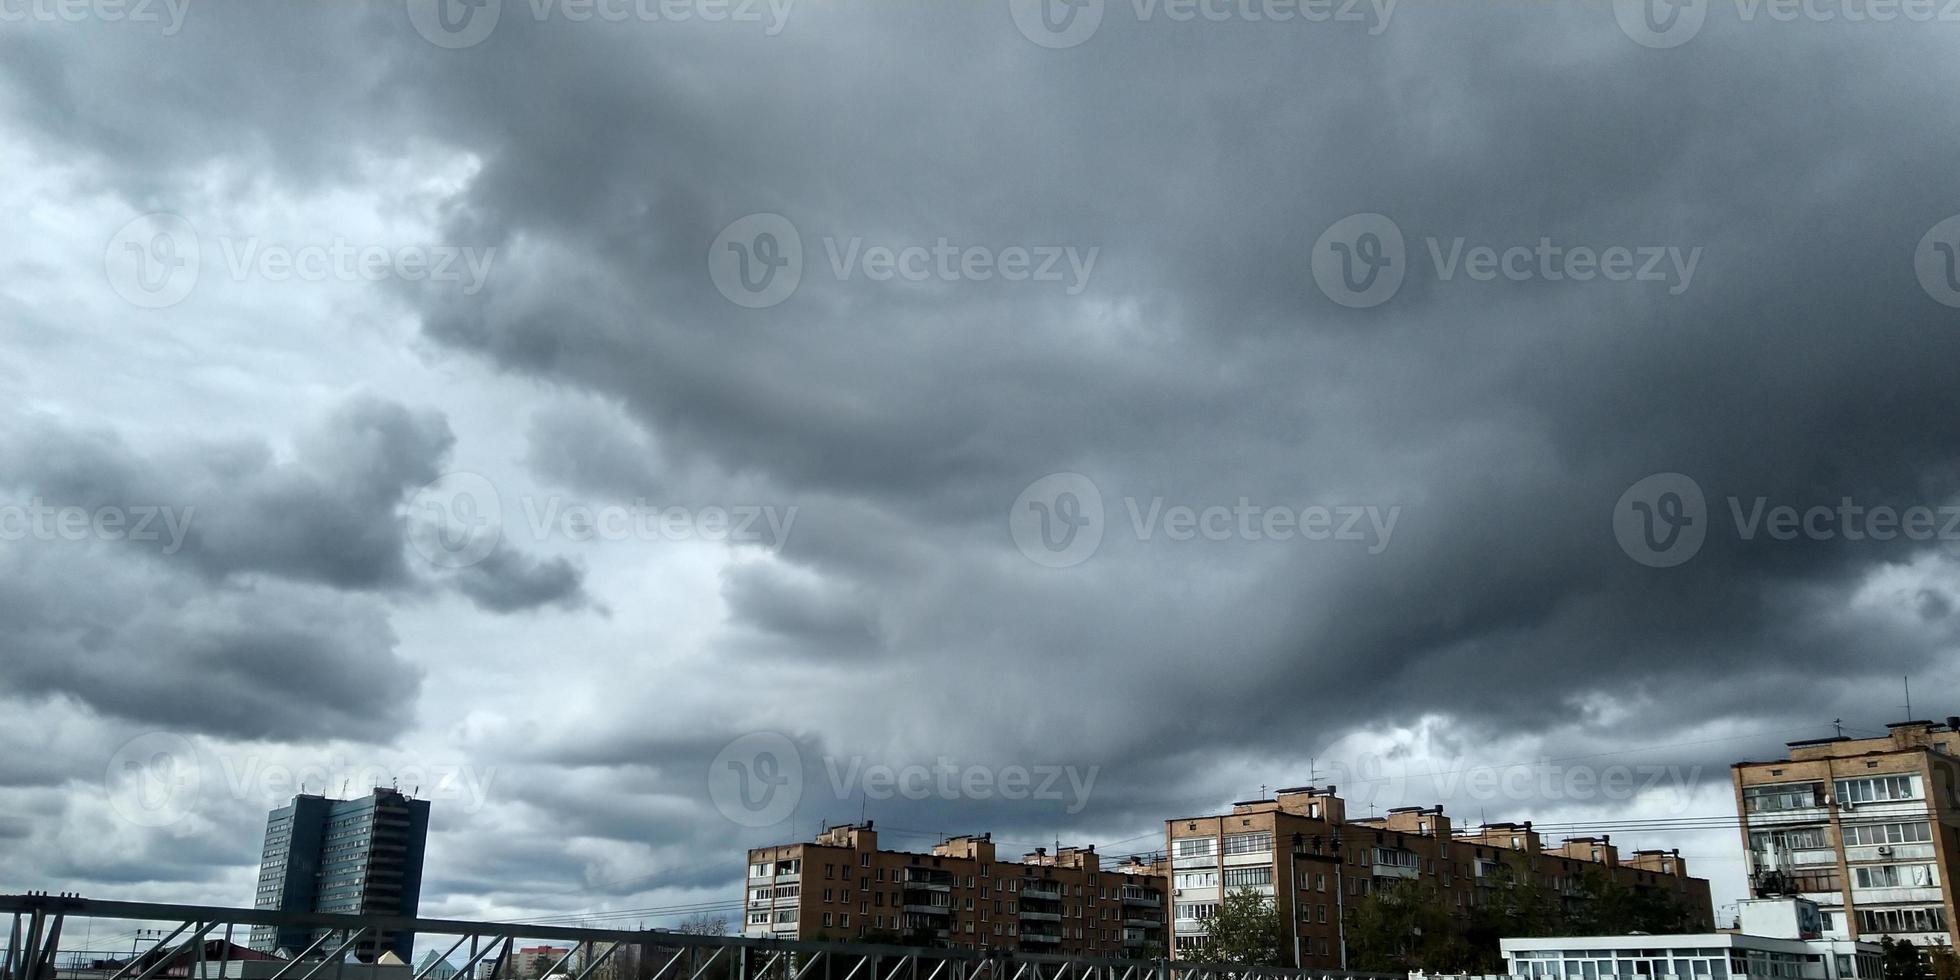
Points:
(1779, 937)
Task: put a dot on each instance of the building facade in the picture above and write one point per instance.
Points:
(1302, 851)
(1778, 938)
(360, 856)
(842, 886)
(1864, 827)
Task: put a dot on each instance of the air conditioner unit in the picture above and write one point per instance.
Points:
(1847, 806)
(1884, 850)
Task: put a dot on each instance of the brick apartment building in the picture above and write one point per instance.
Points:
(1865, 827)
(842, 886)
(1301, 849)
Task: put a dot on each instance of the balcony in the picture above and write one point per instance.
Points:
(1896, 896)
(929, 909)
(1759, 819)
(1881, 852)
(1040, 937)
(1139, 896)
(1150, 921)
(1031, 915)
(1042, 889)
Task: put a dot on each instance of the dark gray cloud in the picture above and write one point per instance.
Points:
(508, 582)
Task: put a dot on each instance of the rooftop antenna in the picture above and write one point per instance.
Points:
(1838, 723)
(1908, 680)
(343, 789)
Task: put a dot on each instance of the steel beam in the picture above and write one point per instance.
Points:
(333, 957)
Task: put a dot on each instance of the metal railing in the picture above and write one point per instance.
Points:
(39, 923)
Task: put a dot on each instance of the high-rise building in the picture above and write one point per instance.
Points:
(360, 856)
(1865, 827)
(1302, 851)
(841, 886)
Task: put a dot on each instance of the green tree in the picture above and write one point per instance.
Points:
(1244, 931)
(1946, 965)
(1901, 960)
(1609, 907)
(1406, 927)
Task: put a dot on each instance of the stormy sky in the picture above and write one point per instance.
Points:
(649, 429)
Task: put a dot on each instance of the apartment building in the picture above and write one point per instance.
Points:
(1301, 849)
(1864, 827)
(842, 886)
(357, 857)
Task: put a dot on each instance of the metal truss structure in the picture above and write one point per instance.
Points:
(34, 944)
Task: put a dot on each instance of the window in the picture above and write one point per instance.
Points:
(1888, 833)
(1248, 877)
(1194, 846)
(1894, 876)
(1391, 857)
(1248, 843)
(826, 920)
(1877, 789)
(1782, 796)
(844, 920)
(1929, 919)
